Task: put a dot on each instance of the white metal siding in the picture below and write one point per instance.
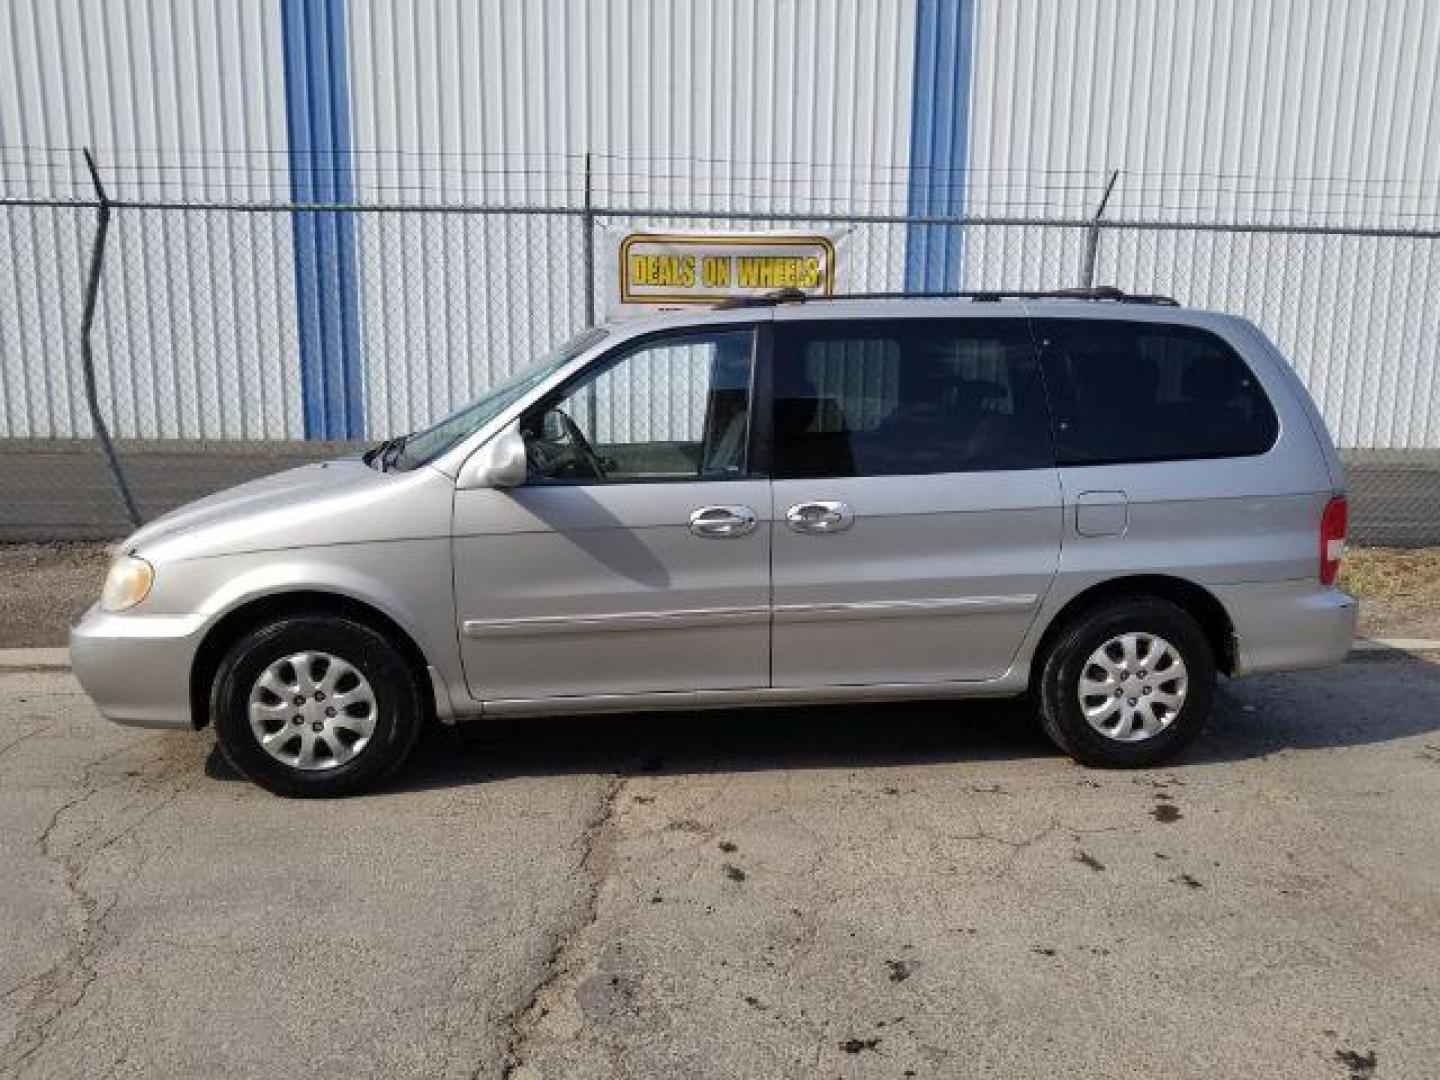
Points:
(179, 101)
(1315, 111)
(1289, 111)
(684, 103)
(691, 104)
(1301, 110)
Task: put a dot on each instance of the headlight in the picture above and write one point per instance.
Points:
(127, 583)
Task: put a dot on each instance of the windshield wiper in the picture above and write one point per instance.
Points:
(384, 454)
(392, 451)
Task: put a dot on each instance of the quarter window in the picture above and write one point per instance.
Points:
(669, 409)
(1140, 391)
(907, 396)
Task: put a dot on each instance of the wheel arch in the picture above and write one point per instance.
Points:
(1190, 597)
(259, 610)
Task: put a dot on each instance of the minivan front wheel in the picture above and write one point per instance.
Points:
(1128, 684)
(315, 705)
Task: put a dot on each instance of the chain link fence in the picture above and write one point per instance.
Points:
(203, 311)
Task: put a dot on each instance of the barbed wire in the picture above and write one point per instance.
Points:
(557, 181)
(639, 159)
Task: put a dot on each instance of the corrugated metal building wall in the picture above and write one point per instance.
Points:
(257, 325)
(1302, 112)
(681, 105)
(181, 101)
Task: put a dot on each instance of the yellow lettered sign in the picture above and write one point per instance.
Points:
(669, 268)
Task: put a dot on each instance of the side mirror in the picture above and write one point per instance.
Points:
(500, 463)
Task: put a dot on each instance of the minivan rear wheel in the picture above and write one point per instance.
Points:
(1128, 684)
(314, 705)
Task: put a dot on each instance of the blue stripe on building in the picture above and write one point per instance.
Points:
(317, 114)
(939, 141)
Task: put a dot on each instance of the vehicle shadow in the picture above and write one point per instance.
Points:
(714, 741)
(1375, 700)
(1375, 697)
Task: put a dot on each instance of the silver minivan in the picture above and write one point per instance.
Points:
(1097, 502)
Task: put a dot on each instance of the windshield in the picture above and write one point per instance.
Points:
(425, 446)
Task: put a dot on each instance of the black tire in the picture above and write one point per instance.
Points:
(1058, 698)
(398, 704)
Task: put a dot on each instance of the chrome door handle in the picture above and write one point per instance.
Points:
(723, 521)
(823, 516)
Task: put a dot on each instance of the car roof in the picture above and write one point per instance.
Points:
(899, 307)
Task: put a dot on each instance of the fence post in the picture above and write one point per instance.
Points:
(1092, 235)
(587, 222)
(87, 353)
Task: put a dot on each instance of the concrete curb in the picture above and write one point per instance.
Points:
(34, 659)
(59, 659)
(1396, 645)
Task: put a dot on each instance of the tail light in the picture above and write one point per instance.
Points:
(1332, 538)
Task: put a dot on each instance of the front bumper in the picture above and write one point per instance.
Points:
(1287, 626)
(137, 667)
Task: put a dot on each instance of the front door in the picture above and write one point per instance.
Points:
(916, 504)
(637, 557)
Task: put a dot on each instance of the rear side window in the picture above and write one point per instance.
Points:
(1139, 391)
(907, 397)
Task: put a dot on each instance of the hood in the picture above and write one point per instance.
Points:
(340, 501)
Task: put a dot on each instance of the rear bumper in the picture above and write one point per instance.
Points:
(136, 668)
(1286, 626)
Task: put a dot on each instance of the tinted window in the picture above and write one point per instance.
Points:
(907, 396)
(672, 408)
(1132, 391)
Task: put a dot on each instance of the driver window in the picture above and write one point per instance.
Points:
(677, 408)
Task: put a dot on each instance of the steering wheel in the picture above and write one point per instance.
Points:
(582, 445)
(549, 457)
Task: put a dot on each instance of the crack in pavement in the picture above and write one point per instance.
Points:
(522, 1021)
(63, 986)
(21, 738)
(50, 1002)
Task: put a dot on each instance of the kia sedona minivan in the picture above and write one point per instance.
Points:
(1095, 502)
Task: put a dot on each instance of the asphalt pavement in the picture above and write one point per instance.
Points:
(924, 891)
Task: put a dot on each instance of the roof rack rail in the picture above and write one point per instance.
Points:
(1098, 292)
(770, 299)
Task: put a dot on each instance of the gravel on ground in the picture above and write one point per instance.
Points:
(44, 588)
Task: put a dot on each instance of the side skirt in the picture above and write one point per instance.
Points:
(750, 697)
